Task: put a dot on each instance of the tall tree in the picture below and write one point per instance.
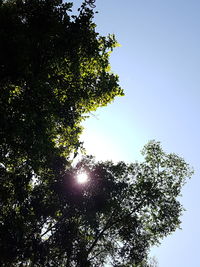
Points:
(122, 211)
(54, 69)
(115, 217)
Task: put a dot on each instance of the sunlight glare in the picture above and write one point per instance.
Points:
(82, 178)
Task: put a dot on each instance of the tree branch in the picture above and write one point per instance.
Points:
(101, 233)
(109, 224)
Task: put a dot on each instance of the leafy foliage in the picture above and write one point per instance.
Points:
(124, 209)
(54, 69)
(115, 217)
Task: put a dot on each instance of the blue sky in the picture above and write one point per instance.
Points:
(158, 65)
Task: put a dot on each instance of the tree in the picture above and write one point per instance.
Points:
(115, 217)
(54, 69)
(123, 210)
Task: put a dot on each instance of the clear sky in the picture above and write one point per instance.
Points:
(159, 69)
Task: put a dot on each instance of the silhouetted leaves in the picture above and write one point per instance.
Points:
(54, 69)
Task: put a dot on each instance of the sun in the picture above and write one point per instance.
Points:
(82, 178)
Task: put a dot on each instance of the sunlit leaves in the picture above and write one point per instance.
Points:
(54, 69)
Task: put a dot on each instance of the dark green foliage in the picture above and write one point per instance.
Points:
(115, 217)
(124, 209)
(54, 68)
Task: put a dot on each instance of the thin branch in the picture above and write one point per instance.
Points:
(109, 224)
(91, 3)
(100, 234)
(49, 229)
(53, 226)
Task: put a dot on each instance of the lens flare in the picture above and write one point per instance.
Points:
(82, 178)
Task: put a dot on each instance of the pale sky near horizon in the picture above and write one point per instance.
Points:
(159, 68)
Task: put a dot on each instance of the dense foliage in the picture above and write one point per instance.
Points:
(123, 209)
(54, 69)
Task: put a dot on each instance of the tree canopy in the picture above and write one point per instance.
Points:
(54, 70)
(124, 209)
